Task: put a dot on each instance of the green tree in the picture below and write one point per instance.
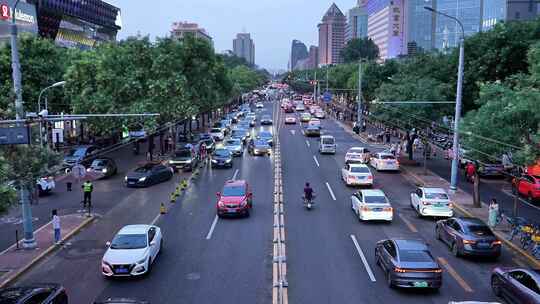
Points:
(358, 48)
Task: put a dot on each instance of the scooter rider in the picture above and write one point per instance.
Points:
(308, 193)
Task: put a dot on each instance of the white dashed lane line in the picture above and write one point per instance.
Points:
(316, 161)
(330, 190)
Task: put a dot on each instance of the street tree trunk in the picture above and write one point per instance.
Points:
(476, 191)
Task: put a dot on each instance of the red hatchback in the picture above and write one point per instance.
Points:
(528, 186)
(236, 199)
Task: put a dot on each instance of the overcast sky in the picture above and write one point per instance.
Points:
(273, 24)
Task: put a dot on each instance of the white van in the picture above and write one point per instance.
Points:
(327, 144)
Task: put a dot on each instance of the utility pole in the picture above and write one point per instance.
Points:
(29, 241)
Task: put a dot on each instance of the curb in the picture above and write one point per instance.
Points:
(532, 260)
(17, 274)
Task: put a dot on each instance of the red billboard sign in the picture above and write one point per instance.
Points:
(4, 11)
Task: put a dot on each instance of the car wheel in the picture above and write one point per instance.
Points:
(160, 246)
(418, 214)
(496, 286)
(455, 250)
(149, 266)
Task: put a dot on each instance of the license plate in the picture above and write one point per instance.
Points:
(231, 210)
(377, 209)
(389, 163)
(121, 270)
(421, 284)
(131, 183)
(439, 205)
(360, 177)
(483, 245)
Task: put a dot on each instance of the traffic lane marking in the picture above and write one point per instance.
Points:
(307, 143)
(330, 190)
(235, 174)
(155, 219)
(409, 224)
(454, 274)
(363, 258)
(209, 235)
(316, 161)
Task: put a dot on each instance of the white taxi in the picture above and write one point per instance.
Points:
(357, 155)
(356, 175)
(432, 202)
(372, 205)
(290, 119)
(314, 122)
(384, 161)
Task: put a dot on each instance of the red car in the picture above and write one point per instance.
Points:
(236, 199)
(528, 186)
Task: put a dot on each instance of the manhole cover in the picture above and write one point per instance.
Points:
(82, 249)
(193, 276)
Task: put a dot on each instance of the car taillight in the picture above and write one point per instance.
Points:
(450, 205)
(370, 177)
(400, 270)
(221, 204)
(397, 162)
(388, 209)
(469, 242)
(366, 208)
(496, 242)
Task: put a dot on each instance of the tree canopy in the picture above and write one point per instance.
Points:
(359, 48)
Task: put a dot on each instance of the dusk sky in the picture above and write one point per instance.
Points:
(273, 24)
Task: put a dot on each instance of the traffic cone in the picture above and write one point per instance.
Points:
(162, 209)
(173, 198)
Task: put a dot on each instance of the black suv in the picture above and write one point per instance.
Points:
(36, 293)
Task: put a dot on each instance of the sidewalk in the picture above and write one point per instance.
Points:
(463, 201)
(14, 262)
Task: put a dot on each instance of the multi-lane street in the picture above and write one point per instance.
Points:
(206, 259)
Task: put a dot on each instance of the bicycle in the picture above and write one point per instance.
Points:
(515, 224)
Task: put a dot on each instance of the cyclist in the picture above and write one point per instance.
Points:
(308, 193)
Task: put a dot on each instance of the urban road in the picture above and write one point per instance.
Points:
(330, 255)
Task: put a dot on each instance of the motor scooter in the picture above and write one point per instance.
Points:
(309, 203)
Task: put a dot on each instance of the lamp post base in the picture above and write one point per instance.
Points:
(29, 243)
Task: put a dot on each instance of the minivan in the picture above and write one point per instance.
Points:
(327, 144)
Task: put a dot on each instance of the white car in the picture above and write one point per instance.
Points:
(259, 105)
(320, 114)
(300, 107)
(217, 134)
(431, 202)
(45, 184)
(384, 161)
(357, 175)
(314, 122)
(327, 144)
(357, 155)
(290, 119)
(372, 205)
(132, 251)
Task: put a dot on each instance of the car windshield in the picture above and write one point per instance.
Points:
(260, 143)
(77, 152)
(359, 170)
(328, 141)
(234, 191)
(232, 142)
(387, 157)
(215, 130)
(99, 163)
(129, 241)
(375, 199)
(435, 195)
(182, 153)
(222, 153)
(144, 169)
(357, 150)
(421, 256)
(480, 230)
(265, 134)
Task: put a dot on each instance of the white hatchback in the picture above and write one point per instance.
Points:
(432, 202)
(372, 205)
(132, 251)
(357, 155)
(384, 161)
(217, 134)
(356, 175)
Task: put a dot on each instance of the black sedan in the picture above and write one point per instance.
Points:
(47, 293)
(516, 285)
(103, 167)
(222, 157)
(468, 236)
(148, 174)
(312, 131)
(408, 263)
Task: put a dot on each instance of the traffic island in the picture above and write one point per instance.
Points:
(15, 261)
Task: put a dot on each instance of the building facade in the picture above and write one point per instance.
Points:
(386, 26)
(244, 47)
(313, 57)
(298, 52)
(70, 23)
(331, 36)
(357, 23)
(180, 29)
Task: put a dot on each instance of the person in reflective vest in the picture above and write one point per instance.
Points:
(87, 187)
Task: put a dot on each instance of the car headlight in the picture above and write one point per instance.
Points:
(142, 179)
(228, 161)
(125, 178)
(188, 161)
(142, 261)
(105, 170)
(214, 161)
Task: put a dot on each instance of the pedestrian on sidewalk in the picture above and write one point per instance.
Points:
(388, 135)
(398, 150)
(470, 172)
(56, 226)
(493, 213)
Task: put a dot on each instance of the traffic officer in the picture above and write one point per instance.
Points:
(87, 187)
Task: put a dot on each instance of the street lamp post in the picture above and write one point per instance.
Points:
(459, 93)
(54, 85)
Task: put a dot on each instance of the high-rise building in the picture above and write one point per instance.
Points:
(331, 36)
(298, 52)
(244, 47)
(179, 29)
(70, 23)
(386, 26)
(313, 57)
(357, 21)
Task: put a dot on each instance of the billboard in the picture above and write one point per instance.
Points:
(25, 18)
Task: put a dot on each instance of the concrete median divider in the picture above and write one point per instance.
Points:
(279, 267)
